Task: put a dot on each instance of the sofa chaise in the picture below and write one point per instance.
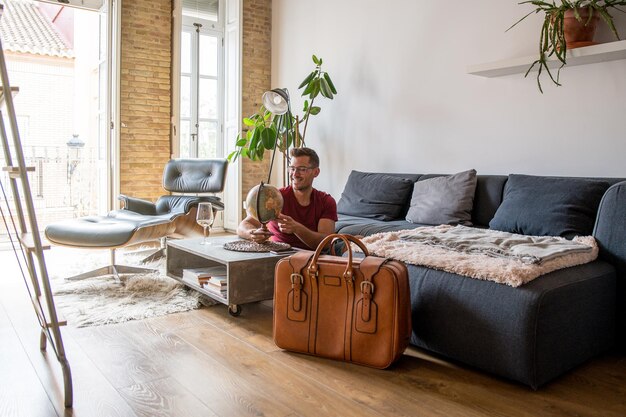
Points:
(532, 333)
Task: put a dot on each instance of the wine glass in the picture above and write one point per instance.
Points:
(205, 218)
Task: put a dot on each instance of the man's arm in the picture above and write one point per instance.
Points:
(311, 238)
(249, 229)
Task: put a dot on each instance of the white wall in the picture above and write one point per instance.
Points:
(406, 104)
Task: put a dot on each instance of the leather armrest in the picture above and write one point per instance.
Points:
(138, 205)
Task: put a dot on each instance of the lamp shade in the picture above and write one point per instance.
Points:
(276, 100)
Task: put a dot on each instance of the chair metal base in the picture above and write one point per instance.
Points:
(112, 269)
(160, 253)
(154, 257)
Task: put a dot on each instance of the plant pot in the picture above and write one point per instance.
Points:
(580, 33)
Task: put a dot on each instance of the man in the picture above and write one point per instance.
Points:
(308, 215)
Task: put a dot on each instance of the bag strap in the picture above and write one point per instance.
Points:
(369, 267)
(299, 260)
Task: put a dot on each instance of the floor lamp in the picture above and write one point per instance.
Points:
(277, 102)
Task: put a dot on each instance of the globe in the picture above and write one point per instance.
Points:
(264, 202)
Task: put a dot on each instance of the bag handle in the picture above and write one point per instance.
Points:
(352, 239)
(328, 239)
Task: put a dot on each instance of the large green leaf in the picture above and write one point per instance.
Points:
(308, 88)
(241, 142)
(232, 156)
(325, 89)
(307, 79)
(330, 83)
(255, 139)
(269, 138)
(315, 110)
(316, 89)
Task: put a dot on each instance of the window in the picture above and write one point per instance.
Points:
(201, 81)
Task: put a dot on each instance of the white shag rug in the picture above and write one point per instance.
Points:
(102, 300)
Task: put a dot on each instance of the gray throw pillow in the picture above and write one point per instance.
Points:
(375, 196)
(444, 200)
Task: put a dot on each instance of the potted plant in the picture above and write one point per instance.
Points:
(558, 32)
(270, 131)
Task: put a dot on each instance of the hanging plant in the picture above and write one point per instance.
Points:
(552, 40)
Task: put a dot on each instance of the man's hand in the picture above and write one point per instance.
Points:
(287, 224)
(260, 235)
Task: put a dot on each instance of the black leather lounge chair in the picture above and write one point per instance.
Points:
(140, 221)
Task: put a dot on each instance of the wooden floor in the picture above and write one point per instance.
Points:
(207, 363)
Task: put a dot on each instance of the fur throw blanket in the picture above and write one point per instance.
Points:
(505, 258)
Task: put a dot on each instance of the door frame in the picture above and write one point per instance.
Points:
(114, 43)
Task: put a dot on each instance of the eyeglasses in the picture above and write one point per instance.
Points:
(299, 170)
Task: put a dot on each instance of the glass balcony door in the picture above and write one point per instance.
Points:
(201, 89)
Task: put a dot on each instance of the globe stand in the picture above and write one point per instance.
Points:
(266, 231)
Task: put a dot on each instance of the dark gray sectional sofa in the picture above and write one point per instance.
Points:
(529, 334)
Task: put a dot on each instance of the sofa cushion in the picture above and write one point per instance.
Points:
(374, 196)
(443, 200)
(373, 227)
(549, 206)
(487, 199)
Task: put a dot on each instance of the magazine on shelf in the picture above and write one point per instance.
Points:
(219, 281)
(215, 290)
(202, 275)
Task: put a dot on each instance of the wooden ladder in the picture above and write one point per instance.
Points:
(28, 242)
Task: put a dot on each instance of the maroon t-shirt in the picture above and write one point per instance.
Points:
(322, 206)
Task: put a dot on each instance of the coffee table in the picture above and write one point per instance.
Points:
(249, 275)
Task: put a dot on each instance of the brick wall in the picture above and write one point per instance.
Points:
(256, 73)
(145, 96)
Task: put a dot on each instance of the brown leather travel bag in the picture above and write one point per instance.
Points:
(350, 309)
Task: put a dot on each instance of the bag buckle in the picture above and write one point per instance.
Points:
(364, 283)
(300, 278)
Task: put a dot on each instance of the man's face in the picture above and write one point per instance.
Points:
(302, 173)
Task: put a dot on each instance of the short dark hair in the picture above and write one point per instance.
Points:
(313, 158)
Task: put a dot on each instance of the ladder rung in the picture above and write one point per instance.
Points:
(14, 90)
(26, 239)
(14, 172)
(62, 320)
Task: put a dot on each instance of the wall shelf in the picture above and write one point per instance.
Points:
(603, 52)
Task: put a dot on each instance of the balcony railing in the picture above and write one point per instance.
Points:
(65, 184)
